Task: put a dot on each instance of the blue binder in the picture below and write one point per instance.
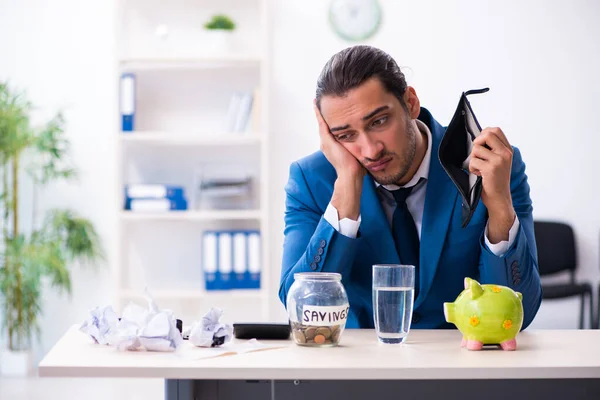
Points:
(153, 191)
(176, 204)
(127, 102)
(240, 260)
(254, 260)
(225, 260)
(210, 267)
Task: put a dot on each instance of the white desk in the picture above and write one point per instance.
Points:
(562, 359)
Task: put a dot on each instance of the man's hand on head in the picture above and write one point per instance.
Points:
(345, 164)
(350, 172)
(493, 163)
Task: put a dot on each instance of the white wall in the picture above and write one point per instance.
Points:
(540, 60)
(63, 54)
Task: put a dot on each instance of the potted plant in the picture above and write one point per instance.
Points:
(31, 257)
(219, 29)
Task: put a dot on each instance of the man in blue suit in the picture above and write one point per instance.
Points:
(343, 213)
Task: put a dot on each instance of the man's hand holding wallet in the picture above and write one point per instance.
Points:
(491, 159)
(487, 155)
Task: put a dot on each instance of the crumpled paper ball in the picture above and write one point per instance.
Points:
(101, 324)
(209, 332)
(139, 327)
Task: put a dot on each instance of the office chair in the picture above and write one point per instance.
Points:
(556, 253)
(597, 323)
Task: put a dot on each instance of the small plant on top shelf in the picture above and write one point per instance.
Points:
(220, 22)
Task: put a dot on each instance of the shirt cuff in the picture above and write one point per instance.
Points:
(347, 227)
(499, 249)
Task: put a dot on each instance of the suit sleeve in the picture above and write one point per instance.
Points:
(310, 243)
(518, 267)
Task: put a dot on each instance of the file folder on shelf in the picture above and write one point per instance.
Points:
(240, 260)
(153, 191)
(254, 260)
(225, 262)
(210, 260)
(127, 102)
(152, 205)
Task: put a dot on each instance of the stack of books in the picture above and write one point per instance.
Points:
(243, 113)
(154, 198)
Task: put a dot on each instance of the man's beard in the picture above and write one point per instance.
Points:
(406, 161)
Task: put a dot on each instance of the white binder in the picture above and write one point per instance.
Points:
(225, 259)
(254, 258)
(209, 259)
(239, 258)
(127, 102)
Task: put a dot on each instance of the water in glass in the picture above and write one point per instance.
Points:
(393, 313)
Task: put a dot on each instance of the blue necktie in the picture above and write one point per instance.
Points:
(405, 232)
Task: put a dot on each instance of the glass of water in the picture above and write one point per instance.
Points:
(393, 296)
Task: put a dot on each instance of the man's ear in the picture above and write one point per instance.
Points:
(412, 102)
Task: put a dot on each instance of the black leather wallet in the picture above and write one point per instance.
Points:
(454, 154)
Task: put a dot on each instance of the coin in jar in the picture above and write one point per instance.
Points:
(310, 333)
(326, 332)
(319, 339)
(335, 337)
(299, 336)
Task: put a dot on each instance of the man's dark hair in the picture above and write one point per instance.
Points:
(352, 66)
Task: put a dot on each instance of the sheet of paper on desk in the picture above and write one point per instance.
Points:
(228, 349)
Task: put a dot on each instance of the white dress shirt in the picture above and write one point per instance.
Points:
(415, 203)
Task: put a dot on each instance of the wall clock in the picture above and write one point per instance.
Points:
(355, 20)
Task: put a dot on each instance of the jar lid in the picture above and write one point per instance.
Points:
(318, 276)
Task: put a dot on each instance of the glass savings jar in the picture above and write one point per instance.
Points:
(317, 306)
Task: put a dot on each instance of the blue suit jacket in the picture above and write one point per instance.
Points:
(448, 253)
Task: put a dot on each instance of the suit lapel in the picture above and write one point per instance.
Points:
(374, 225)
(439, 205)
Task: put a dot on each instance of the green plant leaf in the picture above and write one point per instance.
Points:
(20, 288)
(221, 22)
(15, 132)
(51, 151)
(76, 235)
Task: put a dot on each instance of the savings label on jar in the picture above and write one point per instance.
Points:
(324, 315)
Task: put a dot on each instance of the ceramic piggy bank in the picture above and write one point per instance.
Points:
(486, 314)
